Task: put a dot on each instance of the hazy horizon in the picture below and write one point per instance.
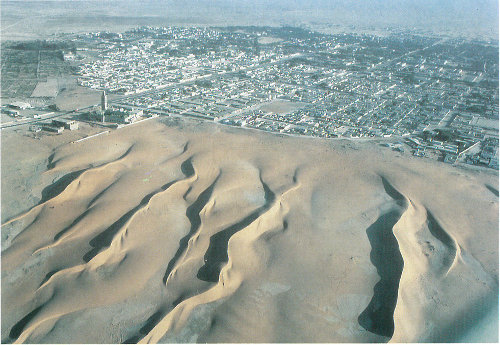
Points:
(465, 18)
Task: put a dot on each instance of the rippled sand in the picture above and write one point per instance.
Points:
(200, 233)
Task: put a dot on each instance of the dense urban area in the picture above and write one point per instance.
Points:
(437, 97)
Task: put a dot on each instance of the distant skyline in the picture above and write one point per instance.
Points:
(477, 19)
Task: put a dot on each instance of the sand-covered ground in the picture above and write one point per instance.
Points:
(74, 96)
(195, 232)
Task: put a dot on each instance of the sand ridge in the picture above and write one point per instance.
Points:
(192, 232)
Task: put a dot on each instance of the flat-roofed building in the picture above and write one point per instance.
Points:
(14, 113)
(20, 105)
(67, 124)
(53, 129)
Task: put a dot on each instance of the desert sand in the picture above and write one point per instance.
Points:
(196, 232)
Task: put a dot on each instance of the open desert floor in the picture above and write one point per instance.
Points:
(182, 231)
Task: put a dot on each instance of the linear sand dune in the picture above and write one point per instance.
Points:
(193, 232)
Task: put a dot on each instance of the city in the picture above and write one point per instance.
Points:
(438, 95)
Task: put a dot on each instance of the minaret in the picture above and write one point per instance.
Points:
(104, 101)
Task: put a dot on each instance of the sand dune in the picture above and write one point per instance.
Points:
(192, 232)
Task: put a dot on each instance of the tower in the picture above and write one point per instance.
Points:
(104, 101)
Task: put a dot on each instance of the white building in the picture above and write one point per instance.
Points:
(20, 105)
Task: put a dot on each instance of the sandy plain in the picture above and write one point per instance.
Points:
(182, 231)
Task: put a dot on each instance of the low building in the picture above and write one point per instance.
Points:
(494, 160)
(35, 128)
(20, 105)
(450, 158)
(69, 56)
(67, 124)
(14, 113)
(53, 129)
(123, 115)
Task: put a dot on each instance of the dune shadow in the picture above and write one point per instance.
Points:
(216, 255)
(442, 236)
(18, 328)
(100, 194)
(105, 238)
(378, 316)
(50, 161)
(73, 223)
(51, 191)
(59, 186)
(48, 276)
(492, 189)
(393, 192)
(150, 323)
(193, 215)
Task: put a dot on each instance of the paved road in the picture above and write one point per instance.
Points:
(31, 121)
